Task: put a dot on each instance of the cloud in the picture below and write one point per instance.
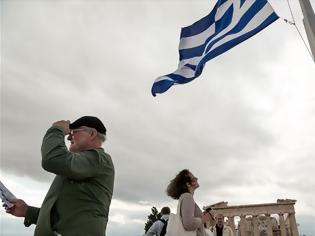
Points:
(245, 126)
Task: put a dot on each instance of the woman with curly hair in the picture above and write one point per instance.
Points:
(182, 188)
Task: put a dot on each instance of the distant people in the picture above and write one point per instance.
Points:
(77, 203)
(220, 229)
(183, 187)
(158, 228)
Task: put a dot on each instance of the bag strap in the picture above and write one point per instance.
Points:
(162, 220)
(179, 206)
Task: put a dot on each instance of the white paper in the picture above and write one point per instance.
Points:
(6, 195)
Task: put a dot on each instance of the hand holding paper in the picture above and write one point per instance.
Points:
(18, 209)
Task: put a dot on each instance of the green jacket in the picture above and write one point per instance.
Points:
(78, 200)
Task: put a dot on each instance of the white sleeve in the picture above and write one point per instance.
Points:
(153, 229)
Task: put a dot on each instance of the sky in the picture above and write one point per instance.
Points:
(245, 127)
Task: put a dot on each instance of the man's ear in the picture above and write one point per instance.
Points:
(93, 133)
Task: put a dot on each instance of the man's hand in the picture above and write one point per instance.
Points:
(63, 124)
(19, 209)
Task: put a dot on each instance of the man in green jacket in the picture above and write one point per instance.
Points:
(77, 203)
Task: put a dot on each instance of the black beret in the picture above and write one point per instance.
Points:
(89, 121)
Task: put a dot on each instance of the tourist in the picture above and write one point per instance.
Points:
(182, 188)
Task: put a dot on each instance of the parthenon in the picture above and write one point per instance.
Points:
(267, 219)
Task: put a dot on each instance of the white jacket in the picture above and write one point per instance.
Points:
(157, 227)
(227, 231)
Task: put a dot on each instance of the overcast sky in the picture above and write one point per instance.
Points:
(245, 127)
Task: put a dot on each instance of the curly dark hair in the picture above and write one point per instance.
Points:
(178, 185)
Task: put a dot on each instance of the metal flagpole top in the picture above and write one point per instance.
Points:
(309, 23)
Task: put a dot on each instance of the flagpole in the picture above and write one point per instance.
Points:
(309, 23)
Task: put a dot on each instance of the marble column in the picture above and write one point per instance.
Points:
(242, 226)
(282, 224)
(293, 226)
(231, 223)
(255, 224)
(269, 225)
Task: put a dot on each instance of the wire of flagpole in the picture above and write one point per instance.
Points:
(297, 29)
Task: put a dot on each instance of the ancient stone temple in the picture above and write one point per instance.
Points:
(267, 219)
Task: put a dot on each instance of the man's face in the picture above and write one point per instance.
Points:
(79, 139)
(220, 220)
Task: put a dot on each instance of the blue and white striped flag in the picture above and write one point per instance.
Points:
(228, 24)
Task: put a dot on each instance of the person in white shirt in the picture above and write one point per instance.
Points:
(220, 229)
(159, 227)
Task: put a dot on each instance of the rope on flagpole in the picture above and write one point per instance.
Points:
(297, 29)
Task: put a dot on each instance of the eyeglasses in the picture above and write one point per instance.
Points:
(74, 131)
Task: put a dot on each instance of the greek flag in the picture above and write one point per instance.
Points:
(228, 24)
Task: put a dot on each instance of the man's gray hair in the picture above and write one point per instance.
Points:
(101, 136)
